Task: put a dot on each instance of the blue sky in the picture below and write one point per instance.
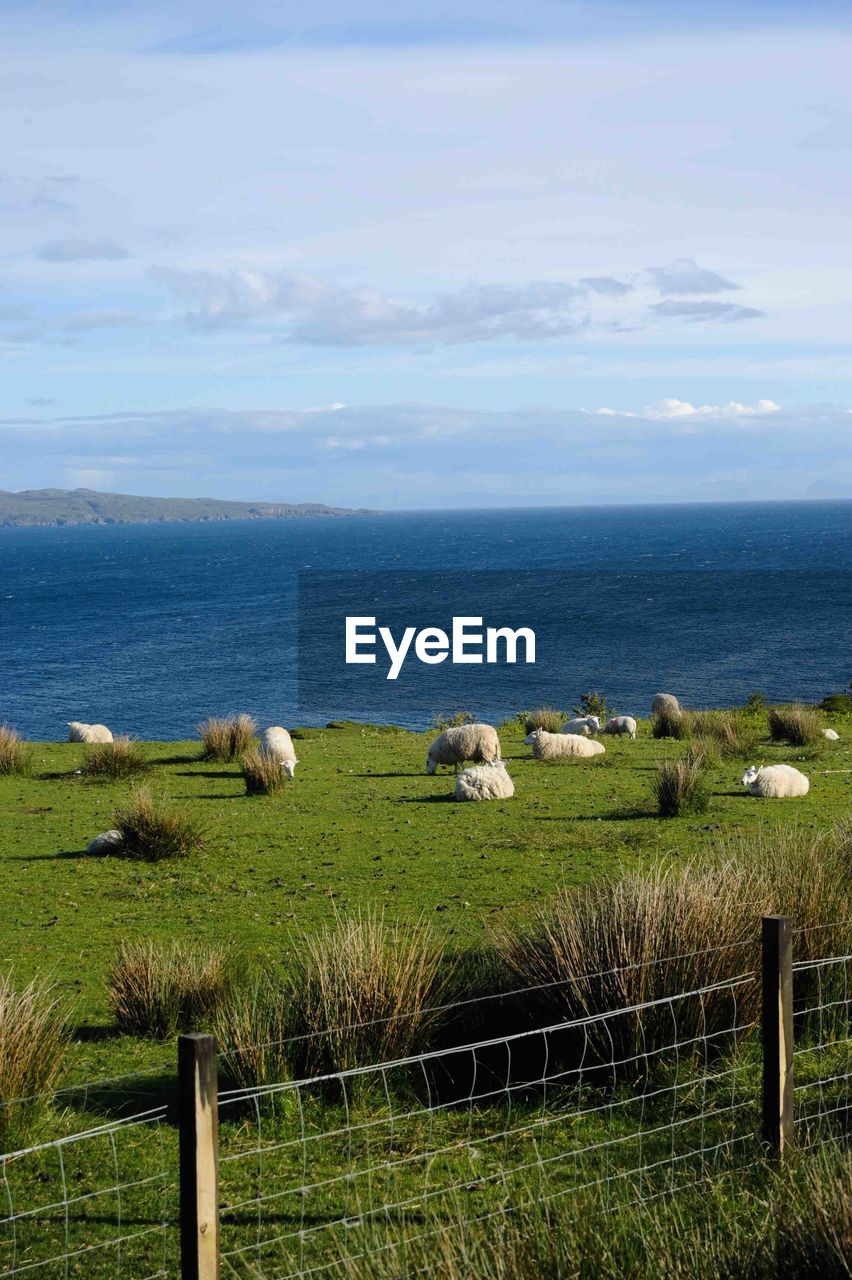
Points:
(401, 256)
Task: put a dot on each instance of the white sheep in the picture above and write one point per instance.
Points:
(106, 842)
(276, 744)
(562, 746)
(477, 742)
(621, 724)
(773, 781)
(584, 725)
(79, 732)
(831, 734)
(484, 782)
(665, 702)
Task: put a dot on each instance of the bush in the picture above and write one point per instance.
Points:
(594, 704)
(33, 1043)
(16, 756)
(838, 704)
(548, 718)
(452, 720)
(160, 990)
(680, 786)
(668, 723)
(732, 731)
(361, 991)
(798, 725)
(262, 774)
(756, 702)
(115, 761)
(152, 830)
(225, 739)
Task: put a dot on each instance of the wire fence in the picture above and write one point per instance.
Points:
(628, 1104)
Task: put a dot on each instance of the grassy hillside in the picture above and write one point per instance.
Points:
(362, 824)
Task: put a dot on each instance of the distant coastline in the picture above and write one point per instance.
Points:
(32, 508)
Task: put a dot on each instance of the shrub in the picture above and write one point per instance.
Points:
(798, 725)
(667, 723)
(262, 774)
(756, 701)
(116, 760)
(33, 1042)
(452, 720)
(838, 704)
(16, 756)
(226, 738)
(361, 991)
(152, 830)
(159, 990)
(732, 731)
(548, 718)
(594, 704)
(680, 786)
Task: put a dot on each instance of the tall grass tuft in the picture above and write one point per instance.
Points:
(667, 723)
(452, 720)
(798, 725)
(227, 738)
(262, 774)
(33, 1043)
(152, 830)
(360, 991)
(159, 990)
(609, 945)
(551, 719)
(16, 756)
(115, 761)
(733, 732)
(680, 786)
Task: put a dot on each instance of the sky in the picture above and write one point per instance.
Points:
(400, 256)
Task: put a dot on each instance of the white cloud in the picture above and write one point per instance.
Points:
(669, 409)
(701, 309)
(684, 276)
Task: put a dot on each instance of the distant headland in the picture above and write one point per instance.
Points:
(32, 507)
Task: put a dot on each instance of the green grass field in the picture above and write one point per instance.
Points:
(361, 825)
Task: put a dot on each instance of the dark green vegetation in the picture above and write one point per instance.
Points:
(115, 761)
(280, 911)
(86, 506)
(152, 830)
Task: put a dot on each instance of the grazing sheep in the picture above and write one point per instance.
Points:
(584, 725)
(562, 746)
(773, 781)
(831, 734)
(79, 732)
(478, 742)
(277, 744)
(621, 724)
(106, 842)
(484, 782)
(666, 702)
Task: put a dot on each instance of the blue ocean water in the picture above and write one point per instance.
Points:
(150, 628)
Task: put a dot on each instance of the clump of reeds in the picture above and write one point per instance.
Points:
(158, 990)
(115, 761)
(16, 756)
(733, 731)
(680, 786)
(226, 738)
(796, 724)
(152, 830)
(262, 774)
(33, 1043)
(668, 723)
(551, 719)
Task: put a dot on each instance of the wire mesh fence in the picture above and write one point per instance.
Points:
(634, 1102)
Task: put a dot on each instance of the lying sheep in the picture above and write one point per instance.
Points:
(276, 744)
(106, 842)
(665, 702)
(484, 782)
(79, 732)
(773, 781)
(478, 742)
(831, 734)
(562, 746)
(621, 724)
(584, 725)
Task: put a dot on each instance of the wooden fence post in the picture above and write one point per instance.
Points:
(199, 1157)
(777, 1033)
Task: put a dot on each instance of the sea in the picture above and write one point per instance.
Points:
(151, 628)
